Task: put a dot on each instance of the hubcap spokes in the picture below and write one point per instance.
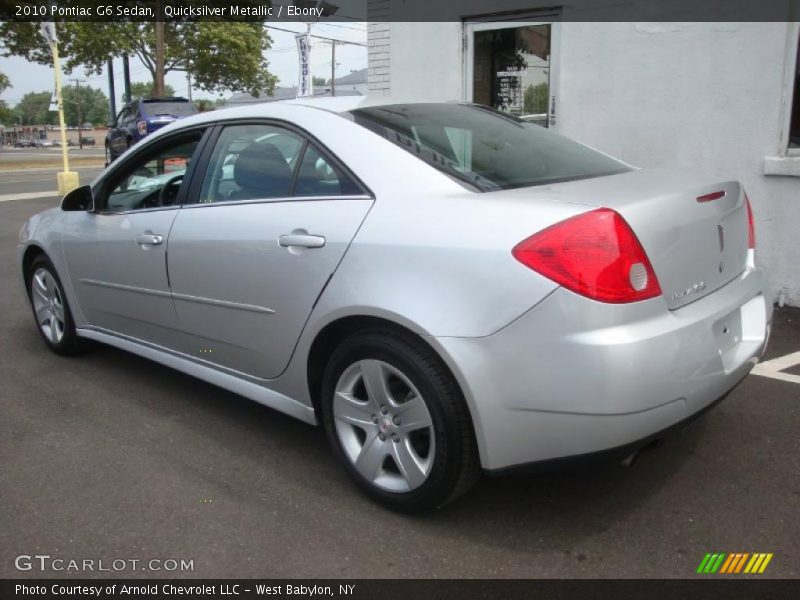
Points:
(384, 425)
(48, 305)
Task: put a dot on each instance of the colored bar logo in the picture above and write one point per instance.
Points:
(735, 562)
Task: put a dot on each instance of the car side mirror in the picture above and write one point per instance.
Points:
(111, 124)
(79, 199)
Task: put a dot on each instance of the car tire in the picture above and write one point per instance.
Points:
(410, 466)
(51, 309)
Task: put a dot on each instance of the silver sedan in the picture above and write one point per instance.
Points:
(447, 289)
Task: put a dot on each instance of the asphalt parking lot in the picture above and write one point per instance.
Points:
(108, 455)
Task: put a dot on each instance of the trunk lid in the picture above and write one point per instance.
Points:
(695, 246)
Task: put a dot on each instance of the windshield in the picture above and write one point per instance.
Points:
(484, 148)
(178, 109)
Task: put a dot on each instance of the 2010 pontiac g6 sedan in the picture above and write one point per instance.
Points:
(445, 288)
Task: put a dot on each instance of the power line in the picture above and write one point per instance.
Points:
(342, 26)
(320, 37)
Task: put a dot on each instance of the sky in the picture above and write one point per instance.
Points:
(282, 56)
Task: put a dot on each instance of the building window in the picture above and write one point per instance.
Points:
(511, 71)
(794, 127)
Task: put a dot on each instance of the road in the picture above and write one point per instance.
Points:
(37, 181)
(108, 455)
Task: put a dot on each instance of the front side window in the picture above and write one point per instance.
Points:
(484, 148)
(154, 180)
(258, 162)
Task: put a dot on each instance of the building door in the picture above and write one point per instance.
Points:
(513, 67)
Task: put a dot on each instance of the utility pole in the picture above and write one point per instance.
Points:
(333, 67)
(80, 114)
(159, 26)
(112, 107)
(126, 76)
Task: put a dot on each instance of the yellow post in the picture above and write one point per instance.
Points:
(67, 180)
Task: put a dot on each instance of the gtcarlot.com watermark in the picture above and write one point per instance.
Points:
(47, 563)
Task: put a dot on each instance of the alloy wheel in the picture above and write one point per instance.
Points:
(48, 305)
(384, 426)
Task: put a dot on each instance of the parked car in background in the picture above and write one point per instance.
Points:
(88, 141)
(24, 143)
(44, 144)
(444, 288)
(57, 143)
(142, 117)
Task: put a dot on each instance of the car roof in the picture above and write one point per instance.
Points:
(345, 103)
(334, 105)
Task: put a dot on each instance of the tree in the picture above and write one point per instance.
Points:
(5, 113)
(318, 81)
(93, 104)
(142, 89)
(535, 99)
(206, 104)
(34, 109)
(219, 55)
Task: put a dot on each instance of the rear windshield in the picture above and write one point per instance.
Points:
(484, 148)
(178, 109)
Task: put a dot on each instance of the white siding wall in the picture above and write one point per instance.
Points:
(700, 96)
(378, 42)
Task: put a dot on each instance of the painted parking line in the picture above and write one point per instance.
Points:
(773, 368)
(27, 196)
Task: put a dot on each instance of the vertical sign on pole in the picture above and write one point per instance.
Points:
(304, 86)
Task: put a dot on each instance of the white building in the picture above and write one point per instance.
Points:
(712, 97)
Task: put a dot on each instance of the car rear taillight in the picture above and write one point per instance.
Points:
(142, 127)
(595, 254)
(751, 225)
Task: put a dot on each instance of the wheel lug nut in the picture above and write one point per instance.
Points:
(374, 418)
(395, 438)
(382, 437)
(384, 410)
(396, 420)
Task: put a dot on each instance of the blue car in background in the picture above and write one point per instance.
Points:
(142, 117)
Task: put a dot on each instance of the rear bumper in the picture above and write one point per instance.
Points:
(573, 376)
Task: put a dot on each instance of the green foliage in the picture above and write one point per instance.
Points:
(535, 99)
(34, 109)
(6, 116)
(219, 55)
(206, 104)
(318, 81)
(94, 105)
(143, 89)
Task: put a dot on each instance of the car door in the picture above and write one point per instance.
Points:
(116, 135)
(272, 217)
(116, 254)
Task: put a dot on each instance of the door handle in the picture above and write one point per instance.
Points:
(149, 239)
(303, 240)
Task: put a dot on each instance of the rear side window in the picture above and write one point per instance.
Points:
(251, 162)
(255, 162)
(318, 177)
(483, 148)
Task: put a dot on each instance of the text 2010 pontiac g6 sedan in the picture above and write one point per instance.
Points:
(447, 289)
